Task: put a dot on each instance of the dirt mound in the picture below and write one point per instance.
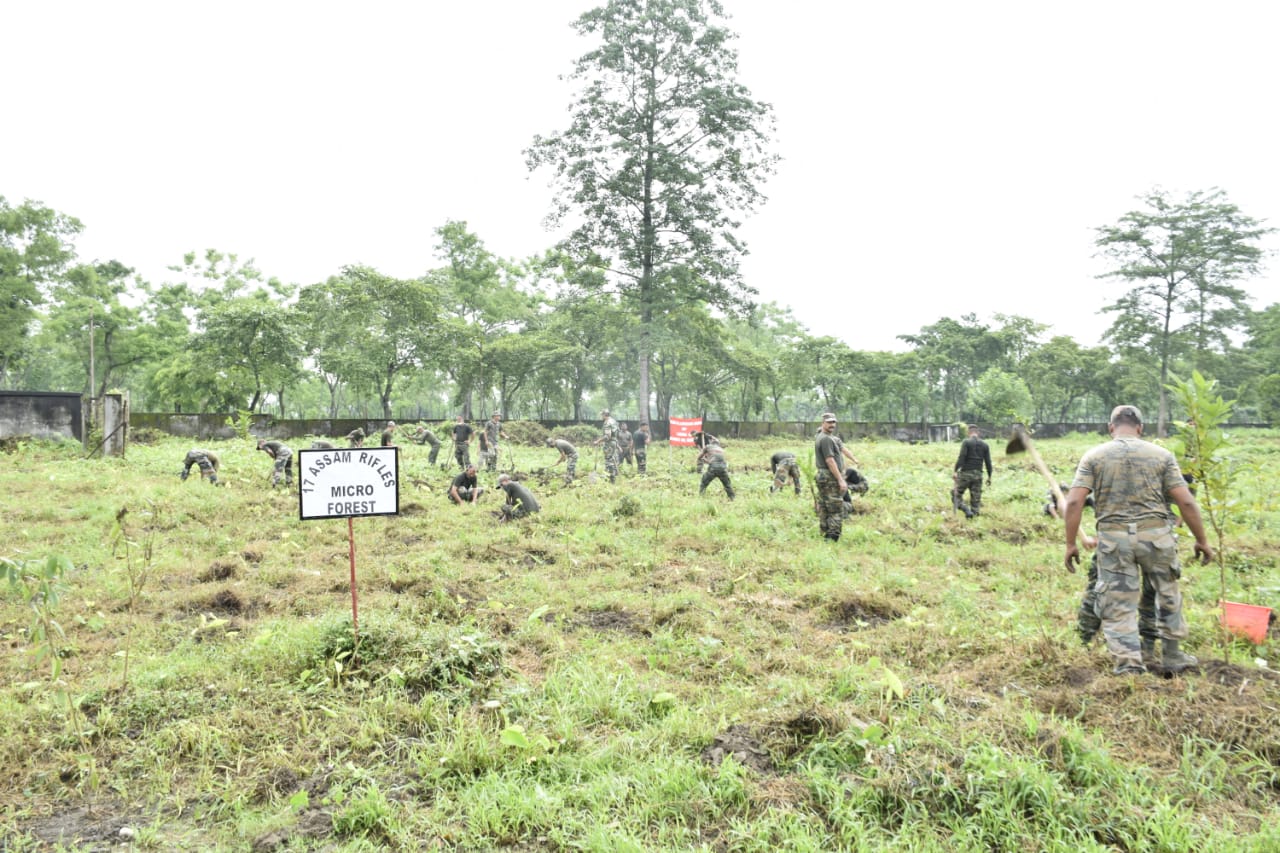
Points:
(738, 742)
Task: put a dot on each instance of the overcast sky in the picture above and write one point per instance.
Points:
(939, 158)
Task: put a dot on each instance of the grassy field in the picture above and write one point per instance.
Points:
(635, 668)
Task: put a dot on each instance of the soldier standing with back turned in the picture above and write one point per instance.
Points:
(640, 446)
(1132, 482)
(974, 454)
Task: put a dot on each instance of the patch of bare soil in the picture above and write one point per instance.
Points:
(1013, 535)
(90, 829)
(743, 746)
(856, 614)
(219, 570)
(537, 557)
(612, 620)
(225, 601)
(1149, 716)
(313, 823)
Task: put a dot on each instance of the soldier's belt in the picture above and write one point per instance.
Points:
(1145, 524)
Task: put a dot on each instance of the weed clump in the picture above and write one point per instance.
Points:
(437, 659)
(627, 507)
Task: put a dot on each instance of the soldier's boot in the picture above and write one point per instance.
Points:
(834, 537)
(1149, 659)
(1176, 660)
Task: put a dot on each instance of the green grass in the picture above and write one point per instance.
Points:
(635, 668)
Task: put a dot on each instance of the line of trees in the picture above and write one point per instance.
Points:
(480, 333)
(641, 307)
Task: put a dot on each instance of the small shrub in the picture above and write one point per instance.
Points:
(627, 506)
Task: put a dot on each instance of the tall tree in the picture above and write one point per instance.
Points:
(664, 150)
(486, 304)
(35, 250)
(400, 323)
(88, 306)
(1182, 257)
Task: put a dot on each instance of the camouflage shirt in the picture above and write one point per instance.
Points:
(1130, 480)
(492, 429)
(713, 455)
(610, 429)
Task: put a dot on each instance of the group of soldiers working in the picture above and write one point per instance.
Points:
(1131, 593)
(1131, 597)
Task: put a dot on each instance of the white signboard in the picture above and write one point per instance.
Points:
(348, 482)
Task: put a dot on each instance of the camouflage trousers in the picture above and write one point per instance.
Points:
(717, 472)
(830, 506)
(1128, 558)
(1088, 624)
(642, 457)
(571, 466)
(611, 459)
(489, 458)
(462, 453)
(971, 481)
(789, 469)
(435, 449)
(283, 469)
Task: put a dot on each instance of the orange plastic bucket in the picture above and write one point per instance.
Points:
(1247, 620)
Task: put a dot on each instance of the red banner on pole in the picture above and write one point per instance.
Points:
(682, 430)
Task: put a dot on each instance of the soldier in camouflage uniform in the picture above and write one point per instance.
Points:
(492, 432)
(828, 456)
(567, 452)
(640, 444)
(1132, 482)
(609, 440)
(700, 441)
(1087, 622)
(717, 468)
(283, 455)
(207, 461)
(462, 442)
(625, 442)
(355, 438)
(974, 453)
(783, 464)
(425, 436)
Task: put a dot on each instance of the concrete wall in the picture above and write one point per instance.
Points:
(41, 414)
(202, 427)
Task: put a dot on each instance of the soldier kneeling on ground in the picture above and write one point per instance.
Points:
(520, 501)
(464, 488)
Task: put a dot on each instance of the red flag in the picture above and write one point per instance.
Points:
(682, 430)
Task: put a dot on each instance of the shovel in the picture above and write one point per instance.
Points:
(1021, 442)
